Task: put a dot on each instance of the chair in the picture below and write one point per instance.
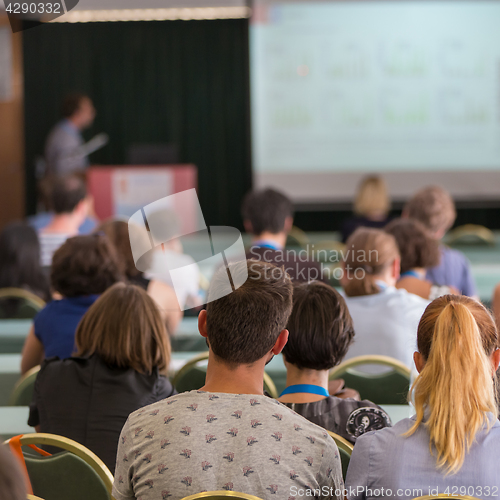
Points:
(471, 234)
(22, 394)
(221, 495)
(297, 237)
(390, 388)
(432, 497)
(33, 497)
(191, 377)
(345, 450)
(76, 473)
(16, 303)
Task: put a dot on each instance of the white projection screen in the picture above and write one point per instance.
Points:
(408, 89)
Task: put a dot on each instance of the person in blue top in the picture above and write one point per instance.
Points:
(452, 445)
(82, 268)
(434, 208)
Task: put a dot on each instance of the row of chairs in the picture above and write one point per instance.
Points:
(387, 388)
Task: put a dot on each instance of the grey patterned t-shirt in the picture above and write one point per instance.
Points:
(198, 441)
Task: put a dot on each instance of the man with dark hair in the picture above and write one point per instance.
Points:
(229, 435)
(268, 217)
(65, 151)
(68, 200)
(320, 333)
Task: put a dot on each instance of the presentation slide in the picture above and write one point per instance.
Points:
(356, 87)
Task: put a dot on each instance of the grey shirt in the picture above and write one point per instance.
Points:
(63, 150)
(405, 468)
(197, 441)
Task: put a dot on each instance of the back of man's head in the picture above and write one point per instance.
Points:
(66, 193)
(244, 325)
(434, 208)
(266, 210)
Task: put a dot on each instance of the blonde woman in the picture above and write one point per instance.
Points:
(452, 444)
(371, 206)
(385, 318)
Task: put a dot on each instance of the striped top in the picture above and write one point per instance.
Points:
(49, 243)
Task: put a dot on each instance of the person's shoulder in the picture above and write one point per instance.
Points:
(168, 406)
(456, 257)
(410, 299)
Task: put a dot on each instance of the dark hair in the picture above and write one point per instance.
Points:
(245, 324)
(416, 248)
(85, 265)
(20, 260)
(12, 482)
(266, 210)
(71, 104)
(320, 327)
(65, 193)
(125, 329)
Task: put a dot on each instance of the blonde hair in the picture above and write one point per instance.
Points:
(433, 207)
(456, 336)
(125, 329)
(372, 197)
(368, 253)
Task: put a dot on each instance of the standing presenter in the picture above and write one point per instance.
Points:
(65, 150)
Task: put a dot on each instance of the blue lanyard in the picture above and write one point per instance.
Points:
(266, 244)
(307, 388)
(410, 273)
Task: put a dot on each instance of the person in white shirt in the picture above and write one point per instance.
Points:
(385, 318)
(68, 197)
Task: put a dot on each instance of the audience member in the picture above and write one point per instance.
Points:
(121, 366)
(20, 260)
(435, 209)
(418, 252)
(268, 217)
(228, 435)
(371, 206)
(452, 444)
(320, 332)
(12, 482)
(64, 149)
(163, 294)
(69, 201)
(82, 269)
(385, 319)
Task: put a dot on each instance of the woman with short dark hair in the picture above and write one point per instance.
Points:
(320, 332)
(82, 268)
(419, 252)
(123, 352)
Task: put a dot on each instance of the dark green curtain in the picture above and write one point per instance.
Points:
(182, 82)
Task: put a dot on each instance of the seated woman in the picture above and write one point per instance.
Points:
(385, 319)
(164, 295)
(82, 268)
(418, 253)
(320, 332)
(371, 206)
(452, 444)
(20, 260)
(121, 366)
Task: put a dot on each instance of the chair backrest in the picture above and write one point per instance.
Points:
(33, 497)
(221, 495)
(471, 234)
(76, 473)
(191, 377)
(345, 450)
(17, 303)
(390, 388)
(22, 394)
(432, 497)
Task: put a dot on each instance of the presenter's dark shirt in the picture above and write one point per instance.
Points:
(297, 265)
(350, 225)
(55, 325)
(86, 400)
(348, 418)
